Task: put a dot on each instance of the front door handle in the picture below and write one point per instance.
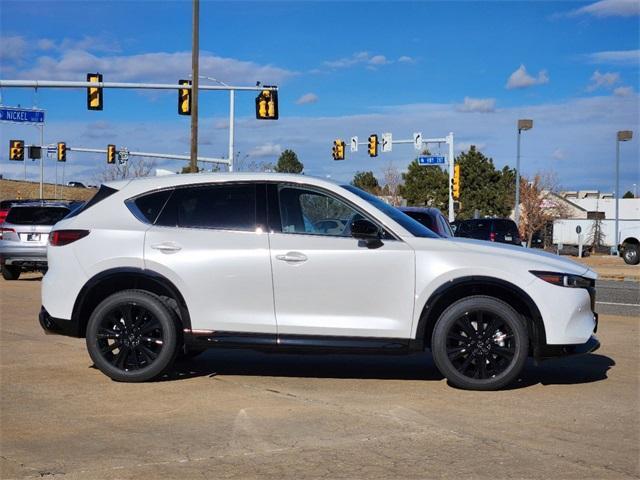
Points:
(167, 247)
(292, 257)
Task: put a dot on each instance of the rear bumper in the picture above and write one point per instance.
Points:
(19, 254)
(57, 326)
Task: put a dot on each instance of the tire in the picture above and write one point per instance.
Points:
(631, 256)
(140, 329)
(10, 272)
(488, 358)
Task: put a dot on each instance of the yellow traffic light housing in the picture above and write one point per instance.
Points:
(373, 145)
(62, 152)
(455, 182)
(111, 154)
(94, 94)
(267, 104)
(184, 98)
(16, 150)
(338, 150)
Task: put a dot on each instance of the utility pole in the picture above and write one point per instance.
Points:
(195, 54)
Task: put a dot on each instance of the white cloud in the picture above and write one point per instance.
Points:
(406, 59)
(603, 80)
(623, 91)
(480, 105)
(307, 98)
(159, 67)
(521, 79)
(609, 8)
(13, 48)
(615, 57)
(45, 44)
(359, 58)
(265, 150)
(559, 154)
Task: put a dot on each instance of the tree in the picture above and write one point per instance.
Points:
(539, 204)
(289, 163)
(484, 188)
(135, 167)
(628, 194)
(392, 183)
(425, 186)
(366, 181)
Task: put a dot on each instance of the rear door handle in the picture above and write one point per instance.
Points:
(292, 257)
(167, 247)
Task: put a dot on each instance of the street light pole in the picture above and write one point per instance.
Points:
(195, 53)
(621, 136)
(523, 124)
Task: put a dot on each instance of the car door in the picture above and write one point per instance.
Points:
(328, 283)
(210, 241)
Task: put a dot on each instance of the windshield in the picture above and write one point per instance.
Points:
(414, 227)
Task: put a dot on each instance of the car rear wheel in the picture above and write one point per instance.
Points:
(11, 272)
(630, 254)
(480, 343)
(132, 336)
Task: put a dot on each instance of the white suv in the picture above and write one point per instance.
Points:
(159, 267)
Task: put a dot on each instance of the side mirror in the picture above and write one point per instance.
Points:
(364, 229)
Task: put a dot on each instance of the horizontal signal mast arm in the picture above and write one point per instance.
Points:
(152, 86)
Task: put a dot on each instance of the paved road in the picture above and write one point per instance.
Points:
(239, 414)
(618, 298)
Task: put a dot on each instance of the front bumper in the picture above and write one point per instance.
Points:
(555, 351)
(57, 326)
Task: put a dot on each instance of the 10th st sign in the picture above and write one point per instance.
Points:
(21, 115)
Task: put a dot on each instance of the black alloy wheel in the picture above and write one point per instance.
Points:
(131, 336)
(480, 343)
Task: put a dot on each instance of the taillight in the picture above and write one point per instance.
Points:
(492, 236)
(59, 238)
(3, 215)
(7, 230)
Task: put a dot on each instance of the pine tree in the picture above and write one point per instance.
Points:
(289, 163)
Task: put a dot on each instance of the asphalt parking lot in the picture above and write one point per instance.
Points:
(239, 414)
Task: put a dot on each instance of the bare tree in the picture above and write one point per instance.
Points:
(244, 163)
(539, 204)
(392, 180)
(133, 168)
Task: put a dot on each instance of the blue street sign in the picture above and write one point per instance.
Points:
(430, 160)
(21, 115)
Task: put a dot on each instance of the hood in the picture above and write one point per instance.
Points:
(539, 259)
(490, 254)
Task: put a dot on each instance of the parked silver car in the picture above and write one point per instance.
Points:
(24, 235)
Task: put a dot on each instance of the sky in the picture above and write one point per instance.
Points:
(343, 69)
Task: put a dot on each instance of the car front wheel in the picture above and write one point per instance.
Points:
(480, 343)
(630, 254)
(131, 336)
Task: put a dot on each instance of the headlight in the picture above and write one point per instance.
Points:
(564, 279)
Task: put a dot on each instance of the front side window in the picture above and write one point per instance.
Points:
(228, 207)
(311, 212)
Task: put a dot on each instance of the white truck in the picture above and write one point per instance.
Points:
(629, 247)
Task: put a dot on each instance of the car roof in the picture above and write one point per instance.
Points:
(143, 184)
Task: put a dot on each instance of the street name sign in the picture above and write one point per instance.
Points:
(21, 115)
(430, 160)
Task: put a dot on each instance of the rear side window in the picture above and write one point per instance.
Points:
(229, 207)
(36, 215)
(100, 195)
(150, 205)
(504, 226)
(425, 219)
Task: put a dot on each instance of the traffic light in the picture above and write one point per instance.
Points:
(455, 182)
(267, 105)
(184, 98)
(62, 152)
(16, 150)
(338, 150)
(111, 154)
(94, 94)
(373, 145)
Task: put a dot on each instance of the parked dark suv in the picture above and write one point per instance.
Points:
(501, 230)
(431, 218)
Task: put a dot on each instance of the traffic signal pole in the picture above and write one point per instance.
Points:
(195, 53)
